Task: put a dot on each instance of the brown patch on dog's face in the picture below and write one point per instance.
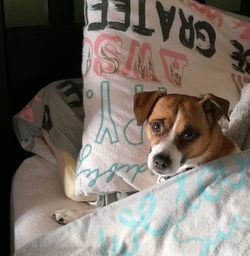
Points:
(181, 119)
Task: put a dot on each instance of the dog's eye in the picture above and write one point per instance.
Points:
(188, 135)
(157, 126)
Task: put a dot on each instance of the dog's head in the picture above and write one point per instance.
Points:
(178, 127)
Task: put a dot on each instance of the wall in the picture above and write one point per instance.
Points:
(19, 13)
(227, 5)
(25, 12)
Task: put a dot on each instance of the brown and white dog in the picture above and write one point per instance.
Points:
(182, 130)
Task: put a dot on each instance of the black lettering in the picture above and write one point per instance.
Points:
(141, 28)
(125, 7)
(241, 57)
(166, 19)
(103, 7)
(207, 51)
(238, 56)
(186, 31)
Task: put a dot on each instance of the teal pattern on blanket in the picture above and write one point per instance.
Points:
(203, 212)
(219, 235)
(198, 206)
(135, 222)
(214, 171)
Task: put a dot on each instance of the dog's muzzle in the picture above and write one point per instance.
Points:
(161, 162)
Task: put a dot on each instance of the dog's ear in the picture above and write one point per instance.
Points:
(214, 107)
(144, 103)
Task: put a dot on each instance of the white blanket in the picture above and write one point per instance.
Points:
(239, 125)
(204, 211)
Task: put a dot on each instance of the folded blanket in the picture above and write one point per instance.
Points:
(204, 211)
(239, 125)
(58, 109)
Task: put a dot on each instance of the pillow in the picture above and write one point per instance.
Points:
(52, 123)
(130, 46)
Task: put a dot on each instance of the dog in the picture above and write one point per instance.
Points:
(182, 130)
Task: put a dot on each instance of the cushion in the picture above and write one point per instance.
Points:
(54, 117)
(130, 46)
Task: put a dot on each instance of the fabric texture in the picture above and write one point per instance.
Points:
(239, 125)
(55, 115)
(57, 108)
(176, 46)
(204, 211)
(36, 192)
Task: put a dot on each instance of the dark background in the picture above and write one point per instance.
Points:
(30, 58)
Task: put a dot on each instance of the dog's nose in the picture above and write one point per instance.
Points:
(161, 161)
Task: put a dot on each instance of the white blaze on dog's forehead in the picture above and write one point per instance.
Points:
(177, 120)
(167, 146)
